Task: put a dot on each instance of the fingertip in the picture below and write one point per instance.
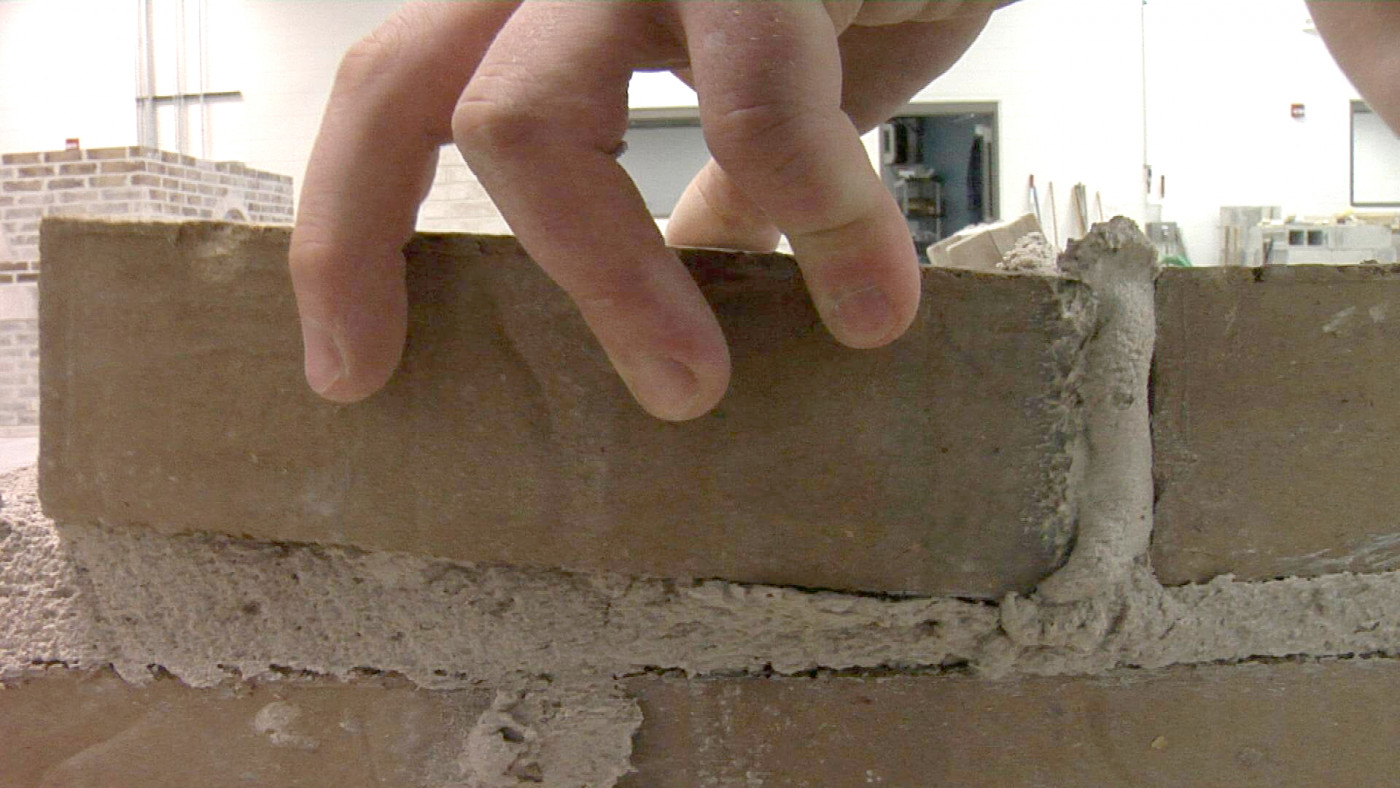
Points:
(354, 315)
(673, 390)
(339, 374)
(862, 318)
(712, 212)
(324, 360)
(865, 279)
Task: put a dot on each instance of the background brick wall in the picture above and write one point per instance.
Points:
(19, 373)
(458, 202)
(128, 182)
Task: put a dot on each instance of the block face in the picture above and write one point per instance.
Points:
(1249, 725)
(1274, 416)
(174, 397)
(71, 729)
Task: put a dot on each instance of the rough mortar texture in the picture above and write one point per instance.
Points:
(212, 609)
(1033, 253)
(1114, 494)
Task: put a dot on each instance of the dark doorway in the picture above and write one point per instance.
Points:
(940, 164)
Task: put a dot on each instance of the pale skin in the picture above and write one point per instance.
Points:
(534, 94)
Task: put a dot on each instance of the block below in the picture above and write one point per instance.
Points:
(1285, 724)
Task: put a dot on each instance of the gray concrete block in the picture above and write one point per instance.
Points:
(71, 728)
(1274, 422)
(173, 397)
(1200, 726)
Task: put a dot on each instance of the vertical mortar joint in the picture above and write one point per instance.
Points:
(1114, 490)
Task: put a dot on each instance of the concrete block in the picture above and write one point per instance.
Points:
(1274, 422)
(1249, 725)
(74, 729)
(934, 466)
(1197, 726)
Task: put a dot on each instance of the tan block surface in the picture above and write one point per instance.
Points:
(1271, 726)
(173, 396)
(67, 729)
(1274, 421)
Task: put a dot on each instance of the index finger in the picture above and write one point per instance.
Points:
(373, 161)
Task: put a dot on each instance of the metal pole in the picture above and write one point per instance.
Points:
(207, 137)
(182, 118)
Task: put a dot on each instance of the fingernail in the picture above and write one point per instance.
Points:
(665, 387)
(862, 317)
(324, 365)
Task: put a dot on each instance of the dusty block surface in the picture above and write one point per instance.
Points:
(1285, 724)
(70, 729)
(1250, 725)
(174, 398)
(1274, 422)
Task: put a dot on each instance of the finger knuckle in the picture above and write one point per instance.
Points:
(310, 254)
(391, 46)
(487, 124)
(366, 61)
(735, 129)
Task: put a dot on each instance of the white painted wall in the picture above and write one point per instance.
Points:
(67, 69)
(288, 56)
(1222, 76)
(1067, 75)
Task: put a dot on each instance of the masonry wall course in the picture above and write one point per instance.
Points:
(1223, 339)
(59, 182)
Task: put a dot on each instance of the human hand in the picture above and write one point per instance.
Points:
(535, 96)
(1364, 39)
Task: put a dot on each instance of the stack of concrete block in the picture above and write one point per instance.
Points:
(1317, 242)
(922, 565)
(1242, 233)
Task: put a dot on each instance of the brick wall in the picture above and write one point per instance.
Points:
(128, 182)
(457, 201)
(19, 373)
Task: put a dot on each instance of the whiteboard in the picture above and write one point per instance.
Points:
(1375, 159)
